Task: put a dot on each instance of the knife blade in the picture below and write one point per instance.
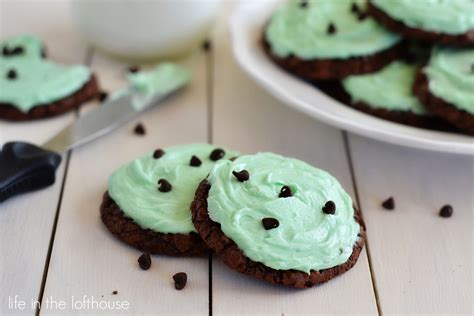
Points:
(26, 167)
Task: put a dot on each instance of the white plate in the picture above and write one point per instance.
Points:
(246, 28)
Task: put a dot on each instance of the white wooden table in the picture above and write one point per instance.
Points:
(54, 248)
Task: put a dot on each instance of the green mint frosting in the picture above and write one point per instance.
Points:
(162, 79)
(389, 88)
(303, 30)
(442, 16)
(306, 238)
(134, 187)
(38, 81)
(450, 75)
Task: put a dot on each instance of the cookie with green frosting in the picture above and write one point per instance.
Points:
(34, 87)
(278, 219)
(147, 204)
(445, 86)
(388, 94)
(449, 22)
(326, 39)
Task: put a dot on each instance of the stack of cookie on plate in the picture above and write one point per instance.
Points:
(275, 218)
(407, 61)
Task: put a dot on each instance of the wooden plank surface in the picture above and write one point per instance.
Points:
(86, 258)
(422, 262)
(249, 120)
(26, 221)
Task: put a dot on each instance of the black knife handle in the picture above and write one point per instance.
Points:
(25, 167)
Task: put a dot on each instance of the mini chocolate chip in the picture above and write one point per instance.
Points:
(139, 129)
(17, 51)
(285, 192)
(331, 28)
(11, 74)
(180, 280)
(389, 204)
(115, 292)
(217, 154)
(446, 211)
(144, 261)
(362, 16)
(303, 4)
(158, 153)
(472, 68)
(270, 223)
(133, 69)
(164, 185)
(354, 8)
(195, 161)
(103, 96)
(5, 51)
(242, 175)
(206, 45)
(329, 208)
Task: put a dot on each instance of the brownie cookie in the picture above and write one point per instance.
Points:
(148, 200)
(448, 22)
(278, 219)
(388, 94)
(446, 86)
(328, 39)
(33, 87)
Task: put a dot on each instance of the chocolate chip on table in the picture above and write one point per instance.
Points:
(270, 223)
(115, 292)
(389, 204)
(329, 208)
(157, 154)
(103, 96)
(195, 161)
(206, 45)
(354, 8)
(446, 211)
(331, 28)
(180, 280)
(303, 4)
(242, 175)
(133, 69)
(285, 192)
(11, 74)
(144, 261)
(164, 186)
(139, 129)
(217, 154)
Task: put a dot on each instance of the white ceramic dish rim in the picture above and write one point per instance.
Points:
(246, 30)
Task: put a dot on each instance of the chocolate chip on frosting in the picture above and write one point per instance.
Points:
(329, 208)
(362, 16)
(270, 223)
(164, 186)
(446, 211)
(133, 69)
(242, 175)
(217, 154)
(5, 51)
(18, 50)
(354, 8)
(195, 161)
(389, 204)
(180, 280)
(472, 68)
(331, 28)
(285, 192)
(11, 74)
(157, 154)
(303, 4)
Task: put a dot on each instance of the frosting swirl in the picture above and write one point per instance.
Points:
(451, 76)
(389, 88)
(306, 238)
(135, 190)
(443, 16)
(303, 31)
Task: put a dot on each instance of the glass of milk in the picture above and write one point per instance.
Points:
(144, 29)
